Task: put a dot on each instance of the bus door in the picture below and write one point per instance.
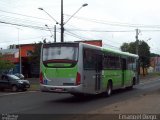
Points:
(124, 68)
(91, 70)
(137, 71)
(98, 69)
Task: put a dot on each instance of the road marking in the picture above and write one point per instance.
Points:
(7, 94)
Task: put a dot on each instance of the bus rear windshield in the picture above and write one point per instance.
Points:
(60, 56)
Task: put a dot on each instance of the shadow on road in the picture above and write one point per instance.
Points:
(88, 98)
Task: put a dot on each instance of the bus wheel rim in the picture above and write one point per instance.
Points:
(109, 90)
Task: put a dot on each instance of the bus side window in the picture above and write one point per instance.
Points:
(88, 59)
(92, 59)
(123, 63)
(99, 61)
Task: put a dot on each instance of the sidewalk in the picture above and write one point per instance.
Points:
(34, 82)
(149, 77)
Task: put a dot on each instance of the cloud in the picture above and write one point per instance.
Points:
(117, 12)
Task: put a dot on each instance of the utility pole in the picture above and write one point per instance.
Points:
(55, 33)
(137, 41)
(20, 59)
(137, 51)
(62, 24)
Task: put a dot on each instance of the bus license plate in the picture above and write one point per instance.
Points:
(59, 89)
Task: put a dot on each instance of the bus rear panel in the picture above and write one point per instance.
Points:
(59, 68)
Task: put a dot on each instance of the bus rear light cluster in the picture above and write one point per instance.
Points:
(41, 78)
(78, 78)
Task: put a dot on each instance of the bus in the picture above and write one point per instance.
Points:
(80, 68)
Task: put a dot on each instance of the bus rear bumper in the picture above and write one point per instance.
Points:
(61, 89)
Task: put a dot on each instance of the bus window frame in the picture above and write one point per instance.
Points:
(61, 45)
(106, 61)
(93, 53)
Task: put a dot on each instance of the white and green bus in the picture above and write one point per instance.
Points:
(80, 68)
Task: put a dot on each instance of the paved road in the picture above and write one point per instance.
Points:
(48, 103)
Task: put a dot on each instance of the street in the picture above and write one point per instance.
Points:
(35, 102)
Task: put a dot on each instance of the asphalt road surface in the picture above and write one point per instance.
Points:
(35, 102)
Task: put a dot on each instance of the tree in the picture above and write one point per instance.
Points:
(143, 52)
(154, 55)
(5, 65)
(125, 47)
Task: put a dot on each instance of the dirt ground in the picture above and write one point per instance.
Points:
(145, 103)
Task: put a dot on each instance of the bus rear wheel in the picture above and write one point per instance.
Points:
(109, 90)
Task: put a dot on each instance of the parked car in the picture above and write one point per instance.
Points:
(8, 81)
(21, 76)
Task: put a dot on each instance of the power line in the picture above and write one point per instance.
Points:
(24, 15)
(72, 36)
(150, 30)
(81, 38)
(93, 20)
(75, 35)
(14, 19)
(25, 39)
(23, 25)
(116, 23)
(100, 30)
(111, 46)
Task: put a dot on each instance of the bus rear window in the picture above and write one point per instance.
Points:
(60, 56)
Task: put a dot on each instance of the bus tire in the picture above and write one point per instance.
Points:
(109, 89)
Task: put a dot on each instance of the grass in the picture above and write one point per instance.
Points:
(34, 87)
(153, 74)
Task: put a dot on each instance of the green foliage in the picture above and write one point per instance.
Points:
(5, 64)
(154, 55)
(143, 51)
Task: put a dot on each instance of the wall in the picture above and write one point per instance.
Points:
(25, 49)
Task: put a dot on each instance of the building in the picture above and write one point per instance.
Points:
(26, 50)
(92, 42)
(155, 63)
(10, 54)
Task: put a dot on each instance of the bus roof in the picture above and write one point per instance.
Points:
(112, 50)
(99, 48)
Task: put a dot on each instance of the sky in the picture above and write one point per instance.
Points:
(113, 21)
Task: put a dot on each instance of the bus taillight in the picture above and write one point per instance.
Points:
(41, 78)
(78, 78)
